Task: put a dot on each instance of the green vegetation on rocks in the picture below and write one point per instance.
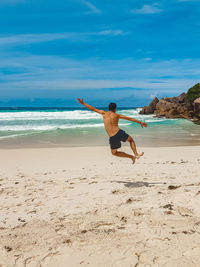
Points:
(194, 92)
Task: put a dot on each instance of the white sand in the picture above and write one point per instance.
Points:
(84, 207)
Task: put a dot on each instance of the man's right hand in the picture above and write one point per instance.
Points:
(80, 100)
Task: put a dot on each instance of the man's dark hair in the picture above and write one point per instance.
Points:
(112, 106)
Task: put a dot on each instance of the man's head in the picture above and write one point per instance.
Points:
(112, 107)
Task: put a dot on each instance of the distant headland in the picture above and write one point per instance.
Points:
(186, 105)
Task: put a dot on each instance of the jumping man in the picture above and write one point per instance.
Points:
(111, 119)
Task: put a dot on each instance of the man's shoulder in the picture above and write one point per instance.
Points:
(112, 115)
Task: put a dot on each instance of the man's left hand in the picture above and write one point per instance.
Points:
(143, 124)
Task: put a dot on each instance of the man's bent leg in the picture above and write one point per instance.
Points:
(122, 155)
(133, 147)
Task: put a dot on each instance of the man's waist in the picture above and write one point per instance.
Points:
(115, 133)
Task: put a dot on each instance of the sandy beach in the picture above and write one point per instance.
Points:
(84, 207)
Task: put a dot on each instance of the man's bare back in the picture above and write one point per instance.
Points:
(111, 120)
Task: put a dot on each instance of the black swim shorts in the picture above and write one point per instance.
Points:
(115, 140)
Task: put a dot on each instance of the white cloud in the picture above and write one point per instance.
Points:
(169, 86)
(92, 7)
(112, 32)
(148, 58)
(147, 9)
(52, 73)
(33, 38)
(23, 39)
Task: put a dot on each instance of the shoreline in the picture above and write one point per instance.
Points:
(64, 146)
(76, 128)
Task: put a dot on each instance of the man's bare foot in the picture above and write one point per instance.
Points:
(133, 159)
(140, 155)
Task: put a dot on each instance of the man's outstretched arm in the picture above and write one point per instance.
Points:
(90, 107)
(143, 124)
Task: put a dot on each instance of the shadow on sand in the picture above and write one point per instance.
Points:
(136, 184)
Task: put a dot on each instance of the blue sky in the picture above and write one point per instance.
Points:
(102, 50)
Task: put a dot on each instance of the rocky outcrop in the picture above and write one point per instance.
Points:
(197, 108)
(151, 108)
(175, 107)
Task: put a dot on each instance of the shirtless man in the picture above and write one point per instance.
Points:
(111, 119)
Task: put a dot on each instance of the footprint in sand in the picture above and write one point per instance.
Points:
(8, 248)
(185, 211)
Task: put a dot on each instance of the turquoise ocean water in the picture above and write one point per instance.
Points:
(79, 127)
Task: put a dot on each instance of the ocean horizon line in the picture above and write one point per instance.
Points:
(74, 107)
